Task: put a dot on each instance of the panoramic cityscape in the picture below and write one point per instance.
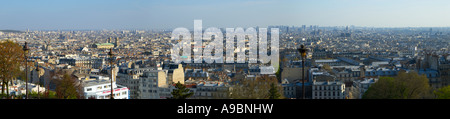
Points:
(100, 53)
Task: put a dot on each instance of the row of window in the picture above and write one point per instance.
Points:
(145, 85)
(288, 88)
(164, 89)
(134, 82)
(288, 93)
(327, 88)
(211, 94)
(115, 95)
(381, 73)
(150, 80)
(327, 94)
(99, 87)
(137, 71)
(212, 89)
(349, 75)
(150, 91)
(328, 98)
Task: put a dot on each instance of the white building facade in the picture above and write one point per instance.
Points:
(101, 89)
(328, 90)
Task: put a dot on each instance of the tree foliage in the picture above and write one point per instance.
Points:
(443, 93)
(273, 92)
(278, 73)
(255, 88)
(181, 92)
(11, 57)
(67, 87)
(403, 86)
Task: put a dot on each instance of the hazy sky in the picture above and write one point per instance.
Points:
(168, 14)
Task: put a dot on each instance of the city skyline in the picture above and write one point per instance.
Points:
(148, 15)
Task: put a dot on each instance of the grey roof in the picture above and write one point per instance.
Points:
(95, 82)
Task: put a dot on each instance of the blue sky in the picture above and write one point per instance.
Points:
(169, 14)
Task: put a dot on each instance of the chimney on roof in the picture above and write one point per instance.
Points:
(362, 72)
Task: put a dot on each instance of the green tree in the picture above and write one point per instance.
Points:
(181, 92)
(404, 86)
(382, 89)
(51, 95)
(11, 57)
(254, 88)
(68, 88)
(278, 74)
(34, 95)
(443, 93)
(273, 92)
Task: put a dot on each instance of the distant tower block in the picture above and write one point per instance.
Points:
(109, 40)
(116, 42)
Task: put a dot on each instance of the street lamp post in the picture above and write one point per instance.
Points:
(111, 54)
(26, 49)
(303, 51)
(39, 81)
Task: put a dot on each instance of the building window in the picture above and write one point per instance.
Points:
(100, 87)
(89, 89)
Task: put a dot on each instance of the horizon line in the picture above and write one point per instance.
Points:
(164, 29)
